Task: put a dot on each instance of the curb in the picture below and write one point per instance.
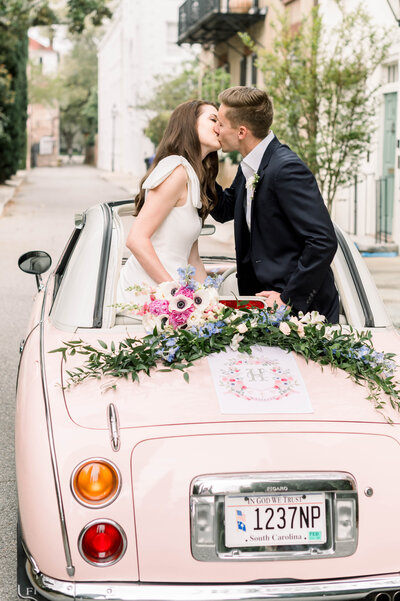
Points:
(9, 188)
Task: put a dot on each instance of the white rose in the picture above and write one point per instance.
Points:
(284, 328)
(299, 326)
(242, 328)
(196, 319)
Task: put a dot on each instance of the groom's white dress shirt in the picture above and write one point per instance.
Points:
(250, 165)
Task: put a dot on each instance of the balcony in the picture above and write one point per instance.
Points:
(214, 21)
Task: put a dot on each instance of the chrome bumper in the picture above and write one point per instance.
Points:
(340, 590)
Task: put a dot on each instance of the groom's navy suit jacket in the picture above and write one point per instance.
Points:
(292, 240)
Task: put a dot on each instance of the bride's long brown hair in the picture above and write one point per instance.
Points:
(181, 137)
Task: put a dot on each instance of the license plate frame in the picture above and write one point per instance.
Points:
(275, 520)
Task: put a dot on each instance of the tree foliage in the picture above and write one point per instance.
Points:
(77, 83)
(16, 16)
(191, 83)
(320, 79)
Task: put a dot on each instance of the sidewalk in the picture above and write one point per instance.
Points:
(8, 189)
(368, 247)
(128, 182)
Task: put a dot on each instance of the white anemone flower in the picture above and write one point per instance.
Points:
(166, 290)
(180, 303)
(201, 299)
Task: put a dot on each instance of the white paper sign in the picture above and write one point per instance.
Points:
(267, 381)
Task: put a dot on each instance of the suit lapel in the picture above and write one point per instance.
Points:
(272, 146)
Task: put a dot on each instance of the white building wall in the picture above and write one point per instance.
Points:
(134, 50)
(359, 218)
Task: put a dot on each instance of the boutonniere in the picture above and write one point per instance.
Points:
(251, 184)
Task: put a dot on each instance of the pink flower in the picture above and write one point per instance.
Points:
(159, 307)
(179, 318)
(185, 291)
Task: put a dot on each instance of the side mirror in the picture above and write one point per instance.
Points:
(35, 262)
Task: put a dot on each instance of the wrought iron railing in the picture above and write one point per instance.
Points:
(384, 189)
(192, 11)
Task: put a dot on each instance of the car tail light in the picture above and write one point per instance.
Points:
(96, 482)
(102, 542)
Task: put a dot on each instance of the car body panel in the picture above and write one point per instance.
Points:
(171, 432)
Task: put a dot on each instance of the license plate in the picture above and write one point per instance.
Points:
(271, 520)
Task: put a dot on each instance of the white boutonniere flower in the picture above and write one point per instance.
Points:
(251, 184)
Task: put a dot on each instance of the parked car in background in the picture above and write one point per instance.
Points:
(150, 491)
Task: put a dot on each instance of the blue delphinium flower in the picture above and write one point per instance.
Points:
(213, 281)
(185, 276)
(275, 318)
(172, 353)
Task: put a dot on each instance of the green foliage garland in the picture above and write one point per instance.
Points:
(177, 349)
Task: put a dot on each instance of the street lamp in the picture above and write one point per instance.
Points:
(394, 6)
(114, 113)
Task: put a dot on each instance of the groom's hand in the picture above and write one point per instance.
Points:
(272, 297)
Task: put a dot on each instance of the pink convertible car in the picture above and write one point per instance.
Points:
(153, 492)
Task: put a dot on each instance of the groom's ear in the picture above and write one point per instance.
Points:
(242, 132)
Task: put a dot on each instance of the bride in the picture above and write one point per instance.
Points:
(176, 195)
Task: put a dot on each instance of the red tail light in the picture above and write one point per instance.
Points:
(102, 542)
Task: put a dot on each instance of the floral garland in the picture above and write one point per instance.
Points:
(185, 321)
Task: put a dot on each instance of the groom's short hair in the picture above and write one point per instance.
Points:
(250, 107)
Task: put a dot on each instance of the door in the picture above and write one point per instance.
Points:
(389, 156)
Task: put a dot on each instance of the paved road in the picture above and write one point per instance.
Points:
(41, 216)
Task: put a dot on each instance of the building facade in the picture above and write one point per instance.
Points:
(140, 43)
(369, 208)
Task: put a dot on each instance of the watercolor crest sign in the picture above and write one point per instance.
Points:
(267, 381)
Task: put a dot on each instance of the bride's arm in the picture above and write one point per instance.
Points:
(159, 203)
(194, 260)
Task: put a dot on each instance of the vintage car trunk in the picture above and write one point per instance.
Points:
(186, 457)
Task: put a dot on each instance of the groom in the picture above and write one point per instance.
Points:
(284, 237)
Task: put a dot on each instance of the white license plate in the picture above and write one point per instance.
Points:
(271, 520)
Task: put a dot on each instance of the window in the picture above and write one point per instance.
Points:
(392, 73)
(248, 70)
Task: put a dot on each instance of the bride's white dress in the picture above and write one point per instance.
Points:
(174, 239)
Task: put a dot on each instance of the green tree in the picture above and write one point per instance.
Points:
(77, 91)
(16, 16)
(190, 83)
(320, 80)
